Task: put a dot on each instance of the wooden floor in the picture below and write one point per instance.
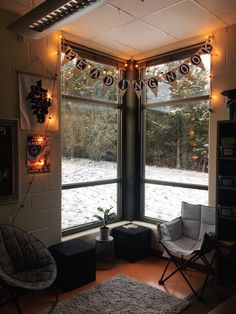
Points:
(147, 270)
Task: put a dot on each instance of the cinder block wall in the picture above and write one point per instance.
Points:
(41, 214)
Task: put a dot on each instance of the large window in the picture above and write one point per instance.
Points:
(90, 146)
(176, 140)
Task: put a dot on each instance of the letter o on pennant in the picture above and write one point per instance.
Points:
(108, 80)
(206, 48)
(81, 64)
(94, 74)
(123, 84)
(171, 76)
(152, 82)
(138, 85)
(184, 69)
(195, 59)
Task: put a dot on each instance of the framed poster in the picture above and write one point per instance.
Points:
(8, 159)
(38, 153)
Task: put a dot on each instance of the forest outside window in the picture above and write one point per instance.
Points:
(90, 147)
(176, 127)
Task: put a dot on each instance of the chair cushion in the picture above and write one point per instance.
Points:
(171, 230)
(35, 279)
(183, 246)
(207, 220)
(191, 219)
(24, 260)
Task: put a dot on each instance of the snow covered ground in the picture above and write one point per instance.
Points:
(162, 202)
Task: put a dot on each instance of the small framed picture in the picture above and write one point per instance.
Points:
(38, 153)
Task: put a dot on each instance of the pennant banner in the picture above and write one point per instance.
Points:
(123, 86)
(153, 85)
(138, 85)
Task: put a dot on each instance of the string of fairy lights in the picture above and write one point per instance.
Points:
(42, 138)
(171, 77)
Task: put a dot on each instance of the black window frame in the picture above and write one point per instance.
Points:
(143, 64)
(97, 56)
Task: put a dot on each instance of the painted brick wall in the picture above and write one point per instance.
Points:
(41, 213)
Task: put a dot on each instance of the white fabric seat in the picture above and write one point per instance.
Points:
(192, 235)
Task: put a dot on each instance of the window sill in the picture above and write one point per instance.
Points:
(90, 235)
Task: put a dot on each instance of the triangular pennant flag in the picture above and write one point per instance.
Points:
(196, 60)
(214, 52)
(170, 76)
(174, 83)
(93, 75)
(184, 68)
(206, 48)
(153, 85)
(123, 86)
(70, 54)
(138, 86)
(80, 64)
(107, 82)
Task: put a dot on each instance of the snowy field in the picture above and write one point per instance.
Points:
(162, 202)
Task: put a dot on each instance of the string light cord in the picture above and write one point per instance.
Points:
(21, 206)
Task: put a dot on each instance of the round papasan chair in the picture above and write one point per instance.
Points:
(25, 262)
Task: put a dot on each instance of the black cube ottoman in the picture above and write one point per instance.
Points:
(76, 263)
(132, 242)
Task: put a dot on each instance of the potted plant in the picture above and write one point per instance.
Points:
(105, 216)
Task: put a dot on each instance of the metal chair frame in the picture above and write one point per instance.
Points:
(181, 266)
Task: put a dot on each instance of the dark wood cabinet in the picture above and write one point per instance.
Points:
(226, 203)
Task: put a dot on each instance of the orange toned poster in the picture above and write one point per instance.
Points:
(38, 153)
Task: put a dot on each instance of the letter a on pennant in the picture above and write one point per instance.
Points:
(93, 75)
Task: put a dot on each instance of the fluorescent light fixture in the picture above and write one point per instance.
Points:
(51, 15)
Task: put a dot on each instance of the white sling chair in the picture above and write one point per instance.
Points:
(192, 235)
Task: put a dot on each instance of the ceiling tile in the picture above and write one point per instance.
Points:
(140, 8)
(103, 19)
(128, 51)
(78, 31)
(184, 20)
(139, 35)
(219, 8)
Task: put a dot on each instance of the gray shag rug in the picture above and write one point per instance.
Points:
(121, 295)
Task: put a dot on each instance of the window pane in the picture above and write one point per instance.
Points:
(76, 83)
(89, 142)
(79, 205)
(196, 83)
(177, 143)
(164, 202)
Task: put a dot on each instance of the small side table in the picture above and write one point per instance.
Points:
(132, 242)
(105, 254)
(76, 263)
